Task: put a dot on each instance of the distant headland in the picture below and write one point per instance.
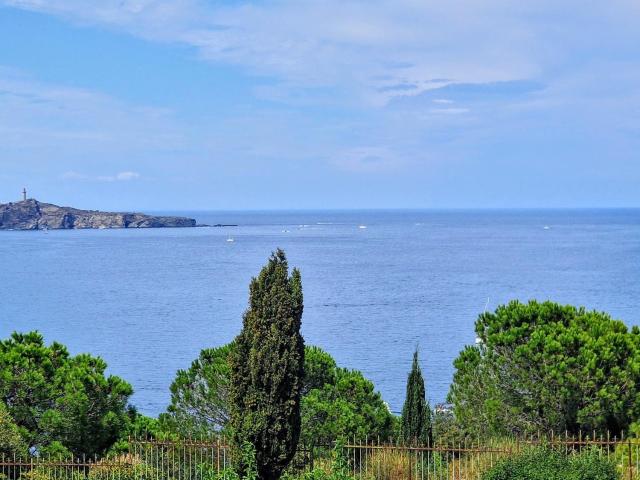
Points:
(30, 214)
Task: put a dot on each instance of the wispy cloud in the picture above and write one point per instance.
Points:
(118, 177)
(391, 86)
(450, 111)
(378, 50)
(56, 117)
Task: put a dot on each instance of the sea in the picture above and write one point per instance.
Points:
(377, 284)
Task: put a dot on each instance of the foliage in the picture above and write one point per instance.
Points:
(549, 367)
(330, 409)
(140, 426)
(399, 463)
(348, 408)
(416, 412)
(248, 460)
(447, 431)
(54, 450)
(121, 467)
(11, 442)
(53, 396)
(544, 464)
(200, 395)
(339, 468)
(267, 369)
(319, 369)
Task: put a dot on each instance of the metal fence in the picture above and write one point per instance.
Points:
(469, 459)
(189, 459)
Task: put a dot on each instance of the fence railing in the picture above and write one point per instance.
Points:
(190, 459)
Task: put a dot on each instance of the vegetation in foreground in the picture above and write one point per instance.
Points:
(546, 464)
(537, 366)
(551, 368)
(267, 370)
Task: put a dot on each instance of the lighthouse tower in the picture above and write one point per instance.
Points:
(24, 194)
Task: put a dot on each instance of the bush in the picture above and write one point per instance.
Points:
(545, 464)
(339, 469)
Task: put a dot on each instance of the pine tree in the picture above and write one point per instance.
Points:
(267, 369)
(416, 412)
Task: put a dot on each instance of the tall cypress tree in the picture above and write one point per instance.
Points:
(416, 412)
(267, 369)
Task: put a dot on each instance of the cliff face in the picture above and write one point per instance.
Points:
(34, 215)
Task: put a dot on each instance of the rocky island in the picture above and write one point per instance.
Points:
(30, 214)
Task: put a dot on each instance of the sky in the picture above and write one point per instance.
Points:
(295, 104)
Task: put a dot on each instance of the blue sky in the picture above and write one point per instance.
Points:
(187, 104)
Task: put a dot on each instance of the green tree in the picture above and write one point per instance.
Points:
(200, 394)
(319, 369)
(267, 368)
(55, 397)
(550, 367)
(415, 422)
(330, 409)
(349, 407)
(11, 442)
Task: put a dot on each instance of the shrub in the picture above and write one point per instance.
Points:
(545, 464)
(339, 469)
(121, 467)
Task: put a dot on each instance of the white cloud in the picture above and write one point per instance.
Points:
(450, 111)
(118, 177)
(376, 50)
(392, 54)
(126, 176)
(367, 48)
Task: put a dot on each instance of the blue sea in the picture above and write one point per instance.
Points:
(376, 284)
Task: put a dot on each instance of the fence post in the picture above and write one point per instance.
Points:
(630, 464)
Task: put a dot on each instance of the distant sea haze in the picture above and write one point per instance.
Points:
(147, 301)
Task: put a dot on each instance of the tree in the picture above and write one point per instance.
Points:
(346, 408)
(200, 394)
(11, 442)
(549, 367)
(416, 412)
(267, 368)
(55, 397)
(319, 369)
(336, 402)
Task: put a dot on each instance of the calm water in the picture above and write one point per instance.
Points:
(148, 300)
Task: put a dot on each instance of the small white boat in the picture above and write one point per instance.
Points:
(230, 239)
(362, 227)
(546, 227)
